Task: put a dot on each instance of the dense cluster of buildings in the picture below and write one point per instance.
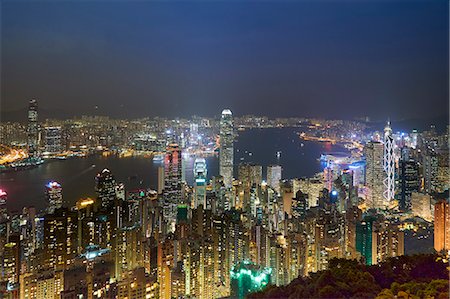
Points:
(225, 236)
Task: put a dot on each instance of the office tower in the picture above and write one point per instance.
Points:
(250, 174)
(300, 205)
(310, 186)
(105, 187)
(32, 129)
(200, 183)
(421, 206)
(442, 225)
(409, 181)
(160, 179)
(11, 262)
(388, 165)
(274, 177)
(247, 278)
(54, 196)
(60, 239)
(430, 171)
(377, 239)
(364, 240)
(53, 140)
(226, 154)
(443, 171)
(374, 174)
(172, 194)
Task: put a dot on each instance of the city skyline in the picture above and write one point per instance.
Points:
(224, 149)
(280, 59)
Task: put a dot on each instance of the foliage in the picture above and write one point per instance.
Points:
(417, 276)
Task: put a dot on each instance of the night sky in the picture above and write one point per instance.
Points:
(338, 59)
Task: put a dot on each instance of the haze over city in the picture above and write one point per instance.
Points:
(335, 59)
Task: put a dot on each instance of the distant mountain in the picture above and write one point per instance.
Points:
(417, 276)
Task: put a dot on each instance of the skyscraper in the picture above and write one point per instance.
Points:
(409, 181)
(53, 140)
(374, 174)
(442, 225)
(200, 183)
(53, 192)
(388, 165)
(274, 177)
(32, 129)
(172, 195)
(249, 174)
(226, 155)
(105, 187)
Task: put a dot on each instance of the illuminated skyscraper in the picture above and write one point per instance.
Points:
(274, 177)
(105, 187)
(53, 192)
(53, 140)
(226, 156)
(388, 165)
(200, 183)
(442, 225)
(374, 174)
(409, 181)
(250, 174)
(172, 195)
(32, 129)
(430, 170)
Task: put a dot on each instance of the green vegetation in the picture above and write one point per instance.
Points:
(417, 276)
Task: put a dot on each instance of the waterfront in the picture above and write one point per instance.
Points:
(260, 146)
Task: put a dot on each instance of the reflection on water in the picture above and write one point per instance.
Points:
(264, 147)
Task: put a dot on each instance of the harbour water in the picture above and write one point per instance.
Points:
(76, 175)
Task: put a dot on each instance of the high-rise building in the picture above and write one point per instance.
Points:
(250, 174)
(200, 183)
(105, 187)
(53, 140)
(388, 165)
(60, 239)
(172, 194)
(374, 174)
(378, 239)
(53, 191)
(226, 154)
(160, 179)
(32, 129)
(430, 171)
(421, 206)
(442, 225)
(274, 177)
(409, 181)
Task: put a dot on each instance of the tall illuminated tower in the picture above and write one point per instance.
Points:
(172, 194)
(388, 165)
(53, 192)
(274, 176)
(373, 152)
(105, 187)
(226, 156)
(200, 183)
(32, 129)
